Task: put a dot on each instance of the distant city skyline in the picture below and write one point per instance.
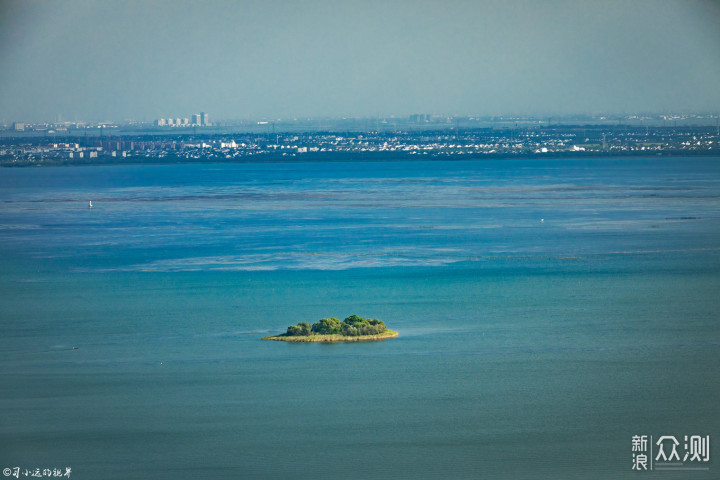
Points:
(116, 61)
(183, 145)
(202, 119)
(414, 122)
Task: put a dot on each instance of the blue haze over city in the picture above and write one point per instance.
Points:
(527, 192)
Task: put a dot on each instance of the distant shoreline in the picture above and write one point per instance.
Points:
(431, 144)
(342, 157)
(332, 338)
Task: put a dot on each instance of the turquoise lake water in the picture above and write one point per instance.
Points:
(548, 311)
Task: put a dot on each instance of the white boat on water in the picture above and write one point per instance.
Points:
(90, 204)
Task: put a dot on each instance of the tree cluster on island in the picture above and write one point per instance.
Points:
(352, 326)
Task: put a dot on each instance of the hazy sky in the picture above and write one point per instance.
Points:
(116, 60)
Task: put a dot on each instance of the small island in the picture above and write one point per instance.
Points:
(352, 329)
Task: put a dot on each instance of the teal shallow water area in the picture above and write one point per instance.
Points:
(548, 311)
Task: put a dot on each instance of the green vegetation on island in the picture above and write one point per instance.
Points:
(352, 329)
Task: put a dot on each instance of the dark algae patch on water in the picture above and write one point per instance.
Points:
(352, 329)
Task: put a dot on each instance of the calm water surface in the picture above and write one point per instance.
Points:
(548, 311)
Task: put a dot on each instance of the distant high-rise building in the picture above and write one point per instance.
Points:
(419, 118)
(197, 119)
(18, 127)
